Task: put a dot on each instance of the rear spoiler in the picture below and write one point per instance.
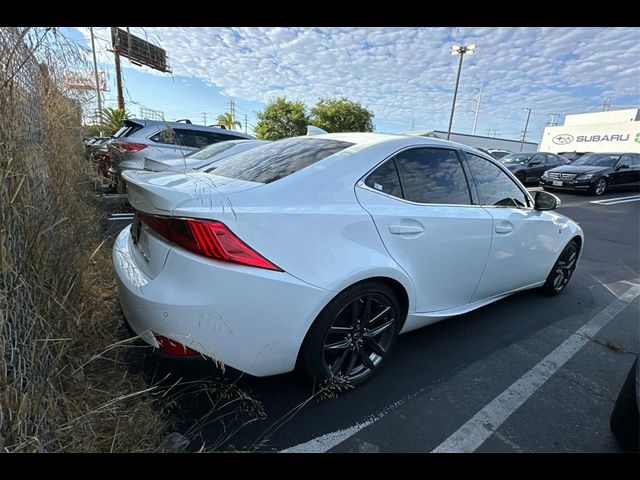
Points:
(311, 130)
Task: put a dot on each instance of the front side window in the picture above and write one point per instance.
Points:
(432, 175)
(540, 158)
(625, 160)
(494, 186)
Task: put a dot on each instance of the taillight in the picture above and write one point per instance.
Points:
(173, 348)
(208, 238)
(128, 147)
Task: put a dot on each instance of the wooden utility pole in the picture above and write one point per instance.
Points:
(114, 44)
(95, 72)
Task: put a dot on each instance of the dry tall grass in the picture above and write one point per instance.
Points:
(68, 375)
(63, 385)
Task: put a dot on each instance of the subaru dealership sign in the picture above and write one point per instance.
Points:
(618, 137)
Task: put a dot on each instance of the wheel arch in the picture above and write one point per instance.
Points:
(394, 284)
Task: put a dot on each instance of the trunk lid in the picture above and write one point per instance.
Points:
(161, 193)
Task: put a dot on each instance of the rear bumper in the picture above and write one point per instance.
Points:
(251, 319)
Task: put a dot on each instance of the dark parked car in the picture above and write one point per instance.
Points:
(595, 173)
(529, 167)
(625, 417)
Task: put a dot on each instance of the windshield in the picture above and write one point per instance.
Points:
(512, 158)
(276, 160)
(498, 155)
(211, 150)
(597, 160)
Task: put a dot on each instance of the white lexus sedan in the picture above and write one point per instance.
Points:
(320, 250)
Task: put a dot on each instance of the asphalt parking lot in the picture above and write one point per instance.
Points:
(526, 374)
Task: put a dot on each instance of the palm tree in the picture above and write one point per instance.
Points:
(113, 118)
(228, 121)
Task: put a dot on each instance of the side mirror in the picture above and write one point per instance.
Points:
(545, 201)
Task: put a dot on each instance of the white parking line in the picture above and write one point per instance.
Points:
(613, 201)
(328, 441)
(484, 423)
(473, 433)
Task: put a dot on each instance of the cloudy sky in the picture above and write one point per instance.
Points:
(404, 75)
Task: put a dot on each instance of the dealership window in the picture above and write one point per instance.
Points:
(494, 186)
(432, 175)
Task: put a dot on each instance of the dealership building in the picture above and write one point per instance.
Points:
(611, 131)
(478, 141)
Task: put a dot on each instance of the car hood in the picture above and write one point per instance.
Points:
(578, 169)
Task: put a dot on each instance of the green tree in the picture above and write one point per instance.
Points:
(113, 118)
(228, 121)
(341, 115)
(281, 119)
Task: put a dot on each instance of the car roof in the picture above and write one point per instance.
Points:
(193, 126)
(370, 138)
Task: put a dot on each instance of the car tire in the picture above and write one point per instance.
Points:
(599, 187)
(340, 343)
(562, 270)
(624, 420)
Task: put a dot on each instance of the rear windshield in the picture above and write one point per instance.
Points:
(273, 161)
(128, 129)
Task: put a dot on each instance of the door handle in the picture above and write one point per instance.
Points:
(404, 229)
(504, 227)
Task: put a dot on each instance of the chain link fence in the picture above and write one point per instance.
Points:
(63, 386)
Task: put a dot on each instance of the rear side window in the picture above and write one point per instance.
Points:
(385, 179)
(432, 175)
(631, 160)
(276, 160)
(190, 138)
(494, 186)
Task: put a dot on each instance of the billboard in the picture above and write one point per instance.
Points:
(84, 80)
(139, 51)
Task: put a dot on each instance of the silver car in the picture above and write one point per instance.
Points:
(160, 140)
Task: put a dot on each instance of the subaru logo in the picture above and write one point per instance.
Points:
(562, 139)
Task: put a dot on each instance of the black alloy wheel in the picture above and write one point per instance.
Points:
(353, 334)
(600, 187)
(562, 270)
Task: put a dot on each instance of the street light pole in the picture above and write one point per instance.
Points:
(458, 50)
(524, 133)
